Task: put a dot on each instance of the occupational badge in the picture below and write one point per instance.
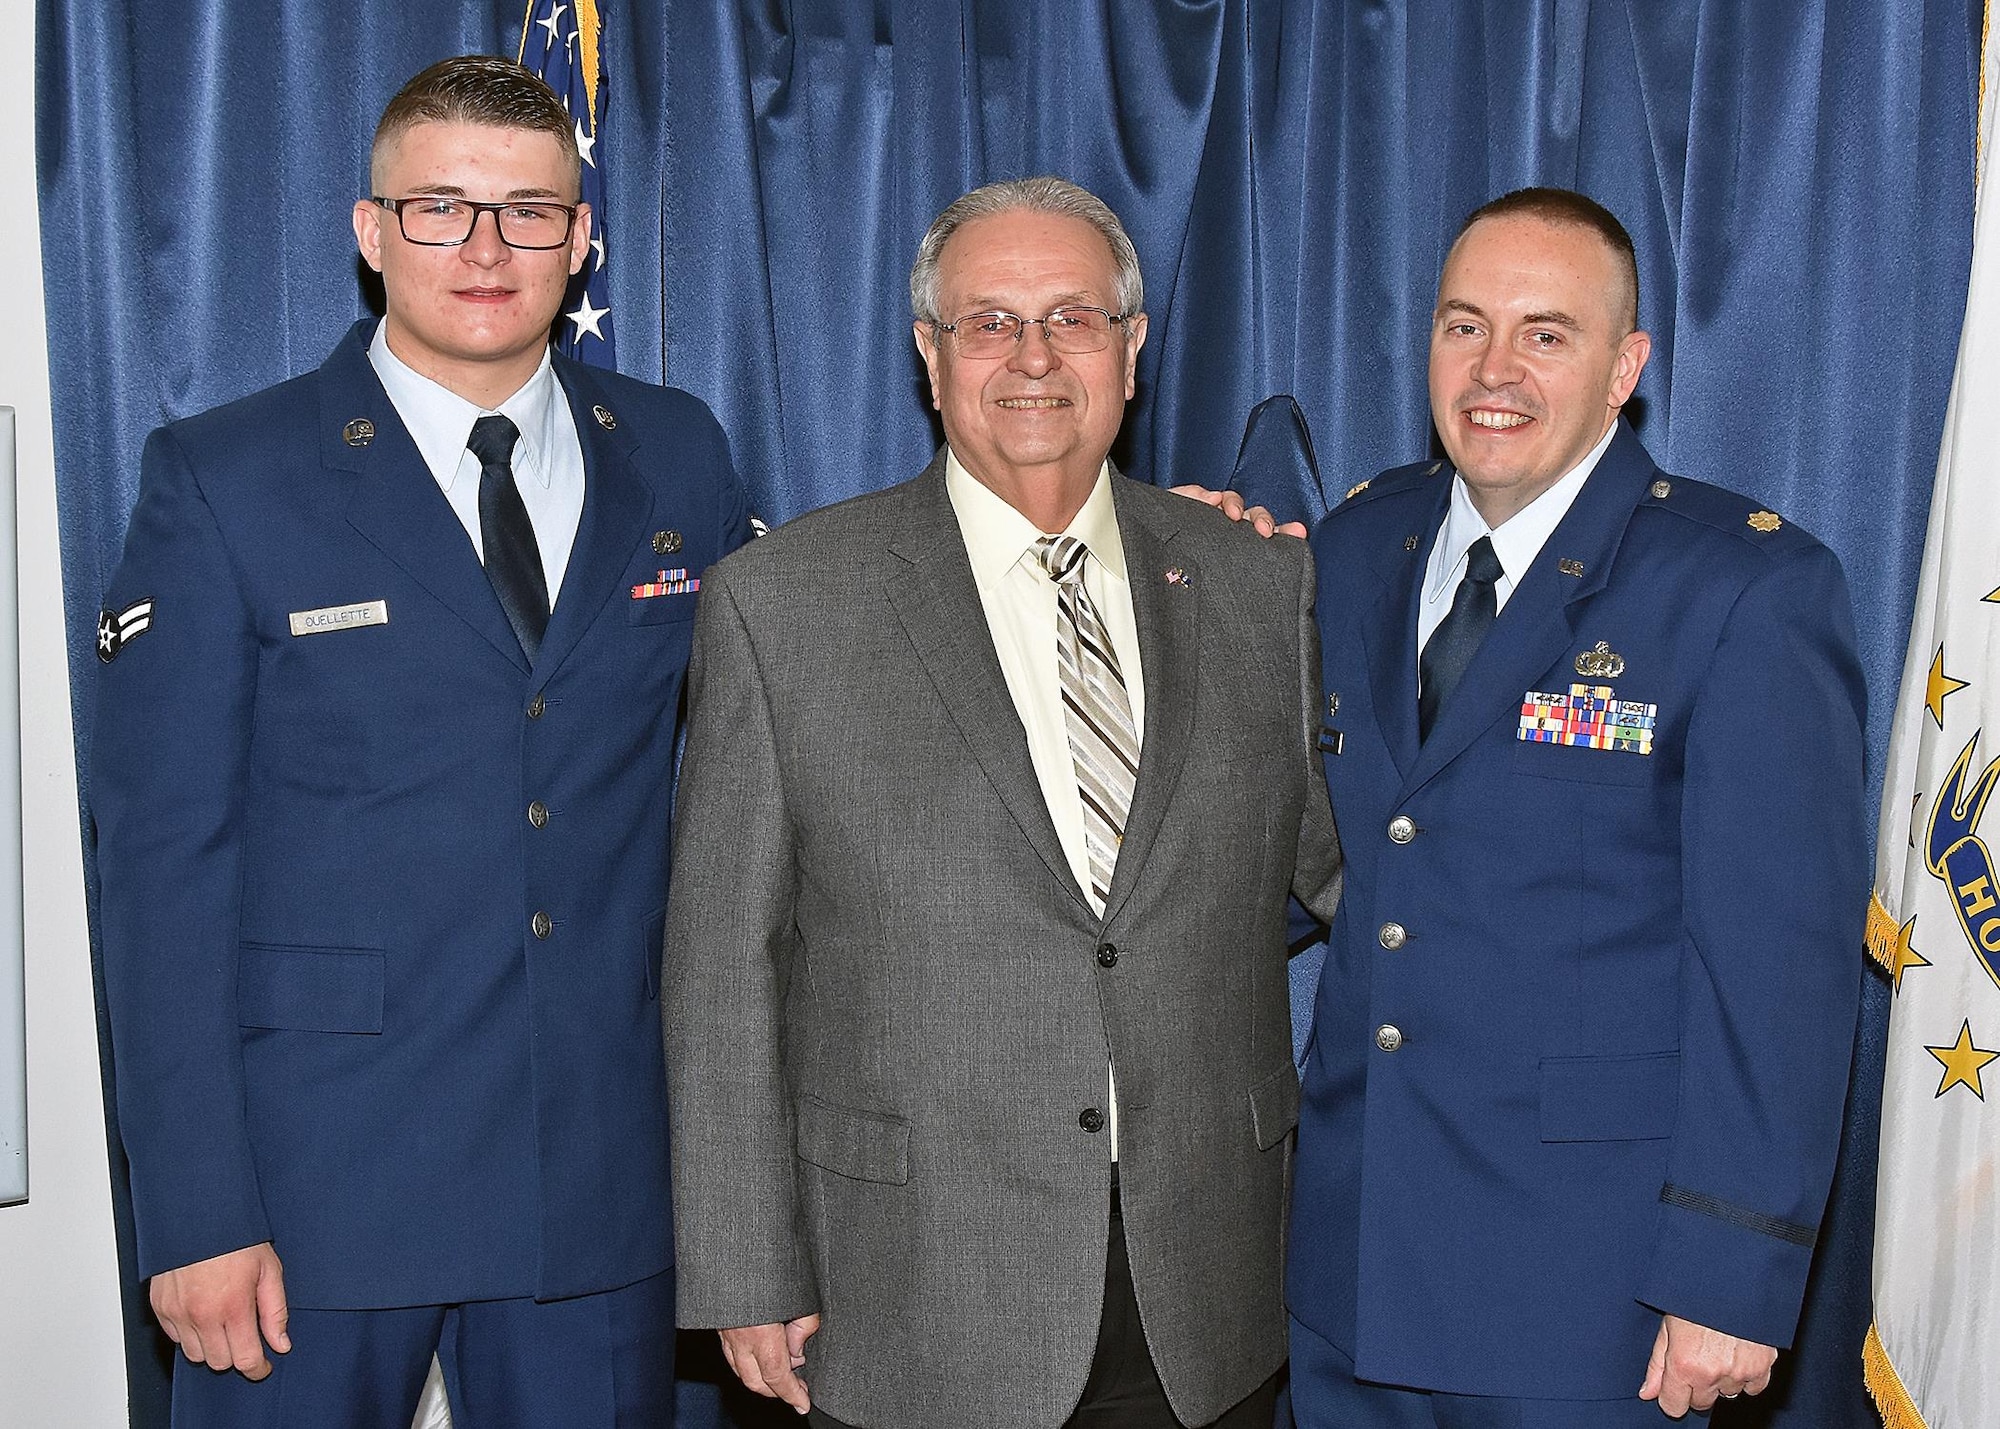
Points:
(1600, 662)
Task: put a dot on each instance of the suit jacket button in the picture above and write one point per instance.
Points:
(1107, 955)
(542, 924)
(538, 814)
(1402, 829)
(1388, 1037)
(1392, 936)
(1091, 1120)
(536, 706)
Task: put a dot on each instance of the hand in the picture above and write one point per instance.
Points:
(766, 1358)
(1693, 1366)
(223, 1311)
(1230, 504)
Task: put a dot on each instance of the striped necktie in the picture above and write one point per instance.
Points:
(1097, 712)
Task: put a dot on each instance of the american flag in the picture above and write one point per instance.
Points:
(560, 42)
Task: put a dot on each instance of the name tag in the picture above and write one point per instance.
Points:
(339, 617)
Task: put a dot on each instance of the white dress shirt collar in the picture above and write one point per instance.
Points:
(1517, 540)
(997, 536)
(440, 421)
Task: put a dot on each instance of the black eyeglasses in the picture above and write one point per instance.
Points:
(1073, 330)
(441, 221)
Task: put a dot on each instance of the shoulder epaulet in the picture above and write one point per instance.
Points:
(1396, 478)
(1721, 509)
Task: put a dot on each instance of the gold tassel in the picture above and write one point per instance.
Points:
(588, 27)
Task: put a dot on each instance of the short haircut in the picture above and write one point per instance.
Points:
(1572, 210)
(1046, 194)
(477, 89)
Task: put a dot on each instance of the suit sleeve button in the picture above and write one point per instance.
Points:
(1107, 955)
(1091, 1120)
(542, 924)
(1392, 936)
(1388, 1037)
(1402, 829)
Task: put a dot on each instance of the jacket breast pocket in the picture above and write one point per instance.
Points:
(309, 989)
(1583, 765)
(1629, 1098)
(660, 609)
(861, 1145)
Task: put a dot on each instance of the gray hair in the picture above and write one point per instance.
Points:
(1046, 194)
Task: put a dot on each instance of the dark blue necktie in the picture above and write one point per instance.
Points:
(1456, 640)
(507, 537)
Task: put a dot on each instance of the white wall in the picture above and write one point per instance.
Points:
(61, 1351)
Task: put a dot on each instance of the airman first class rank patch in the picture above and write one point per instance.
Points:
(118, 628)
(674, 582)
(1588, 717)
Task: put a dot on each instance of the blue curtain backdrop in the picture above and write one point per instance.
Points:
(1797, 175)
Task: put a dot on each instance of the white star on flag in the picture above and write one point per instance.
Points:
(550, 21)
(597, 247)
(584, 144)
(585, 317)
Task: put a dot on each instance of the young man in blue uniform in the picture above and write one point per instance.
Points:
(381, 778)
(1594, 739)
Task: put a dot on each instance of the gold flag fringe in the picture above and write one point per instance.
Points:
(1881, 934)
(1886, 1386)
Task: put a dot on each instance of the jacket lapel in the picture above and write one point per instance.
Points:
(616, 505)
(1389, 630)
(393, 501)
(930, 585)
(1168, 620)
(1539, 622)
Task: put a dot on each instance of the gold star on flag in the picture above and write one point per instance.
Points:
(1903, 956)
(1962, 1062)
(1939, 686)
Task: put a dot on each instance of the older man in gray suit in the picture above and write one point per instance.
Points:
(995, 785)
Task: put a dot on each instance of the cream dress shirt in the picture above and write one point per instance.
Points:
(1020, 604)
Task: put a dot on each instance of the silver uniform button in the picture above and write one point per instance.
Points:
(1402, 829)
(1392, 936)
(1388, 1037)
(538, 814)
(542, 925)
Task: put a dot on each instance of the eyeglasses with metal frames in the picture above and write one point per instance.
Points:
(1074, 329)
(445, 221)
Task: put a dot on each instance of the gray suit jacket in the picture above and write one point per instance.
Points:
(888, 1003)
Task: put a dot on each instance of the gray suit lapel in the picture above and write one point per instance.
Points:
(1167, 614)
(930, 585)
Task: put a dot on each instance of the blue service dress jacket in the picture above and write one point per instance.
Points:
(382, 901)
(1582, 1040)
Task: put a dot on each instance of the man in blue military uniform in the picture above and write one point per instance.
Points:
(1594, 739)
(381, 778)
